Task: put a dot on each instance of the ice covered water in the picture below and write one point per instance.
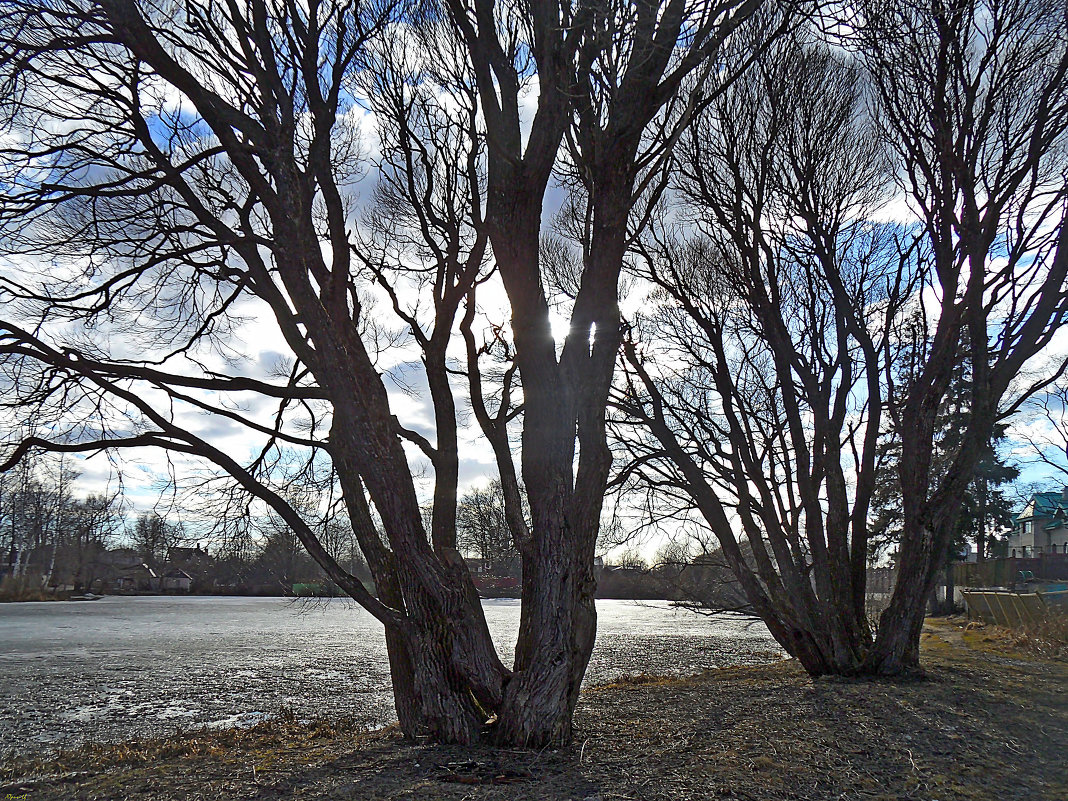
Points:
(125, 667)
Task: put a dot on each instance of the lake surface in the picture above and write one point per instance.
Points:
(125, 667)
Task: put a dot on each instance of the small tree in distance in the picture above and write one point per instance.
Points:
(153, 537)
(482, 529)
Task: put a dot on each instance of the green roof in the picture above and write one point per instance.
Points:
(1044, 504)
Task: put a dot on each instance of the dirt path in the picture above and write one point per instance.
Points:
(986, 724)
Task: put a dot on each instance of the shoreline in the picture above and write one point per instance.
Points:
(130, 668)
(988, 723)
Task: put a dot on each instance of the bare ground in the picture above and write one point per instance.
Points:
(989, 722)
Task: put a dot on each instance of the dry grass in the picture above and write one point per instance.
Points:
(20, 588)
(988, 725)
(635, 680)
(1047, 639)
(268, 738)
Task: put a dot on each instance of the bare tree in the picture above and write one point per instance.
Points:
(794, 316)
(153, 537)
(758, 382)
(482, 528)
(202, 168)
(48, 535)
(180, 169)
(973, 98)
(613, 77)
(96, 523)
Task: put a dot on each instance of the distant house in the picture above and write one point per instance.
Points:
(136, 578)
(1042, 527)
(176, 580)
(196, 563)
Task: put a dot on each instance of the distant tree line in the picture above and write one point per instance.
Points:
(46, 530)
(51, 538)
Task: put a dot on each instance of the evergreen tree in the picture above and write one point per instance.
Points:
(986, 507)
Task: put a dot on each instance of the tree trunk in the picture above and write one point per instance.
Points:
(897, 644)
(980, 539)
(447, 679)
(827, 647)
(557, 633)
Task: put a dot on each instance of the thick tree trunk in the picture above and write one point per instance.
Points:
(897, 645)
(447, 679)
(827, 647)
(556, 638)
(402, 676)
(558, 618)
(896, 650)
(819, 656)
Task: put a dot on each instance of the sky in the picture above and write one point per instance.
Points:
(262, 348)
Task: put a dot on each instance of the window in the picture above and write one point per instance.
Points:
(1028, 527)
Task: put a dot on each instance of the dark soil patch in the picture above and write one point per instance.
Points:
(982, 726)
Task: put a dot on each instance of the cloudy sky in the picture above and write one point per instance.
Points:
(259, 349)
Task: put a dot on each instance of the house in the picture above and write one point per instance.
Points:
(1042, 527)
(137, 578)
(176, 580)
(196, 563)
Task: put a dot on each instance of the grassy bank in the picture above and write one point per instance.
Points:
(991, 722)
(18, 588)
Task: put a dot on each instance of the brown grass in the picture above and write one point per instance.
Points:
(636, 680)
(21, 588)
(1047, 639)
(277, 733)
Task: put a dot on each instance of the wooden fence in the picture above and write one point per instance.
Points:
(1009, 572)
(1012, 609)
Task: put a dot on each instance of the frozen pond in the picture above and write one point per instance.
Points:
(125, 667)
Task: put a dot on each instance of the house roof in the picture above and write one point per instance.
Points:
(1044, 504)
(142, 569)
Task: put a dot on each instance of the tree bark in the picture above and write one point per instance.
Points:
(558, 619)
(896, 650)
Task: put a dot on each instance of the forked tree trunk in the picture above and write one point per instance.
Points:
(827, 647)
(827, 635)
(896, 651)
(556, 638)
(447, 679)
(558, 618)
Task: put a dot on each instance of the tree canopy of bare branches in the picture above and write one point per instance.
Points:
(795, 332)
(179, 176)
